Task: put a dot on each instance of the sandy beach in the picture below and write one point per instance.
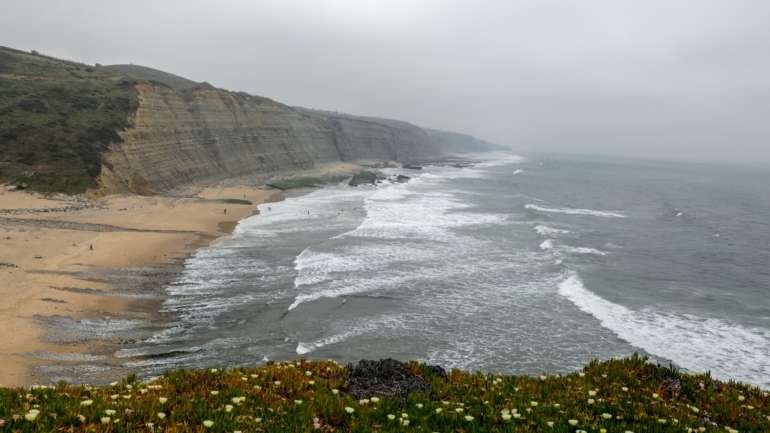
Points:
(50, 246)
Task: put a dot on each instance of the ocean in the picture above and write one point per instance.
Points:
(523, 265)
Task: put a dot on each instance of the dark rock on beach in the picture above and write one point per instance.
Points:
(402, 179)
(413, 167)
(365, 178)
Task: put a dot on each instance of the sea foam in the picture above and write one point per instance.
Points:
(573, 211)
(728, 350)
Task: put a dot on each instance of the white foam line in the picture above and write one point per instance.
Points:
(728, 350)
(573, 211)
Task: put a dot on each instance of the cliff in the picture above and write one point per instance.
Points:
(177, 132)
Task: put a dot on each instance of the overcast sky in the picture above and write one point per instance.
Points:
(654, 78)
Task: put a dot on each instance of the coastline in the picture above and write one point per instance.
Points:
(60, 255)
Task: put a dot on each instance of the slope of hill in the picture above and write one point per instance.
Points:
(69, 127)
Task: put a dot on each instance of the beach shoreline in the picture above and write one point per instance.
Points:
(59, 257)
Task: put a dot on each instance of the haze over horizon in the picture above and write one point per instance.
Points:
(682, 80)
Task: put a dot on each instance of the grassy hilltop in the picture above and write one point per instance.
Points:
(57, 118)
(629, 395)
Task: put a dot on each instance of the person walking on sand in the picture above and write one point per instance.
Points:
(225, 211)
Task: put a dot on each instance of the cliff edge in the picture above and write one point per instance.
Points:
(68, 127)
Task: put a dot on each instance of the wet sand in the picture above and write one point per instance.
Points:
(61, 260)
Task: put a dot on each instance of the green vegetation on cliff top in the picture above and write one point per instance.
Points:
(57, 118)
(629, 395)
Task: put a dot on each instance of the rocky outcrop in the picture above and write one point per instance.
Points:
(201, 134)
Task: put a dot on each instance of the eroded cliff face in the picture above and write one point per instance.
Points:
(203, 135)
(207, 134)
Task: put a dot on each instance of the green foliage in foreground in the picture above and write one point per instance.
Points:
(56, 120)
(613, 396)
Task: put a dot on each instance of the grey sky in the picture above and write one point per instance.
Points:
(656, 78)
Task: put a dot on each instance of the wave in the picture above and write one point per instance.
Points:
(518, 171)
(583, 250)
(573, 211)
(546, 245)
(543, 230)
(727, 350)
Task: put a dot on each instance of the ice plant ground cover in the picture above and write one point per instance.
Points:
(627, 395)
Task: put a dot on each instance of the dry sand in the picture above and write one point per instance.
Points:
(48, 244)
(39, 251)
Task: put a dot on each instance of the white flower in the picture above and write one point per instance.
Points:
(311, 382)
(581, 374)
(741, 398)
(533, 403)
(438, 410)
(297, 401)
(655, 395)
(591, 393)
(418, 405)
(625, 389)
(375, 399)
(459, 410)
(214, 393)
(228, 408)
(335, 391)
(556, 405)
(238, 400)
(31, 415)
(391, 416)
(661, 421)
(81, 418)
(506, 416)
(591, 401)
(363, 401)
(214, 370)
(105, 420)
(109, 412)
(606, 416)
(308, 373)
(468, 418)
(349, 409)
(277, 383)
(572, 422)
(404, 422)
(549, 423)
(542, 377)
(208, 423)
(161, 415)
(86, 402)
(114, 396)
(162, 400)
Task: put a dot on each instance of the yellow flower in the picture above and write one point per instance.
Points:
(655, 395)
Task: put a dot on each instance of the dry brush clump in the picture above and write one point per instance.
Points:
(627, 395)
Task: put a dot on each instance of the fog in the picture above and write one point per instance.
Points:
(681, 79)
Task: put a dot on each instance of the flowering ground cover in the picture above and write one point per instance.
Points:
(626, 395)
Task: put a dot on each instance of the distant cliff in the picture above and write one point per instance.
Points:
(176, 132)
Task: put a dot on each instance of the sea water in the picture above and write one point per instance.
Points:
(518, 265)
